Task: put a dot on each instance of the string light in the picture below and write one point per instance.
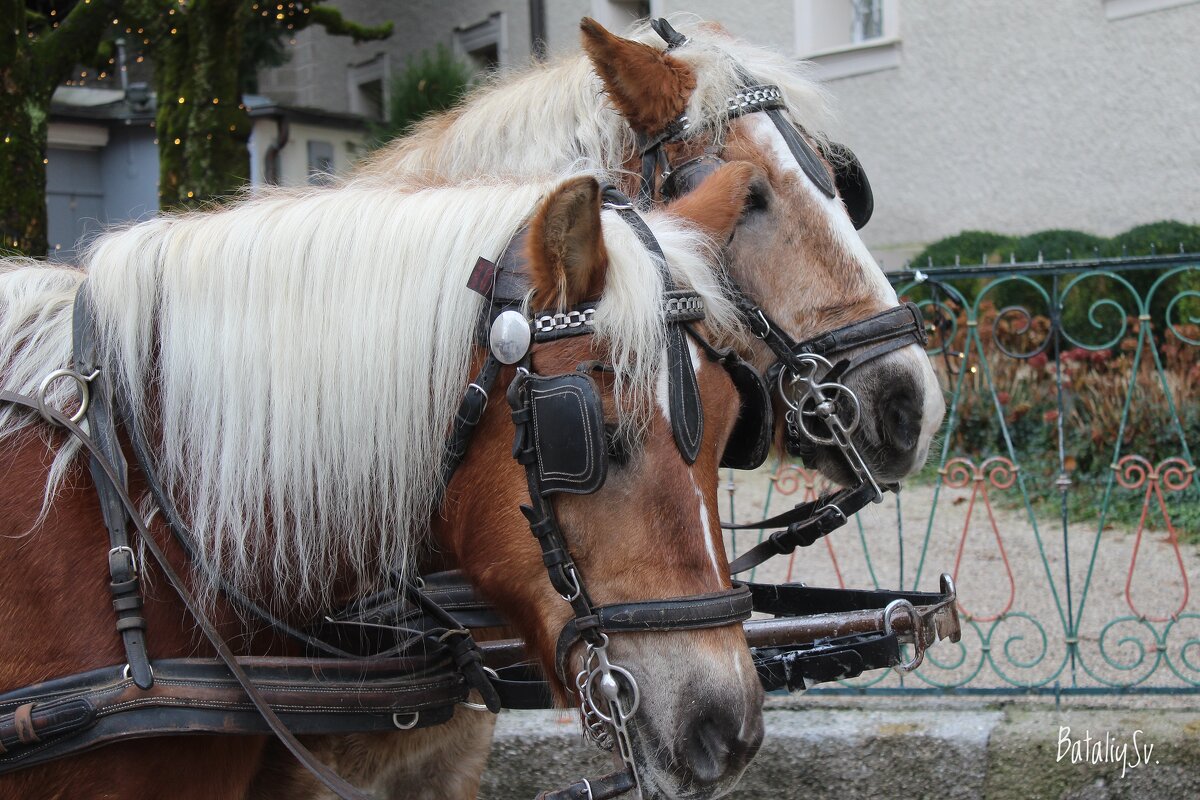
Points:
(176, 141)
(181, 100)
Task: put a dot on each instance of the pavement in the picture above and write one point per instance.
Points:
(959, 750)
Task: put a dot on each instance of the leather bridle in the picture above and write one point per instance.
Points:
(809, 375)
(543, 408)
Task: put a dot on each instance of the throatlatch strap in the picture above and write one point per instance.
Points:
(122, 565)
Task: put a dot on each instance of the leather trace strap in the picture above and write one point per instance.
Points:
(609, 786)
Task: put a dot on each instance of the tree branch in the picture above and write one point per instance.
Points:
(73, 41)
(334, 23)
(12, 30)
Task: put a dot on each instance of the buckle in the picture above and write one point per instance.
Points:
(126, 568)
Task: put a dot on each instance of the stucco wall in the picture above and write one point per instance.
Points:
(293, 158)
(1027, 115)
(316, 76)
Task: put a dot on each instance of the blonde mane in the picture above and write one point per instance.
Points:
(300, 356)
(555, 116)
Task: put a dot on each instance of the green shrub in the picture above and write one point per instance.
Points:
(971, 247)
(432, 82)
(1056, 245)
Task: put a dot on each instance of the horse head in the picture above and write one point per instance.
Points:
(693, 104)
(645, 527)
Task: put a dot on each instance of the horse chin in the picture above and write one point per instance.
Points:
(661, 777)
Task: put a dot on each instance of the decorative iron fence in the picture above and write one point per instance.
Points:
(1061, 493)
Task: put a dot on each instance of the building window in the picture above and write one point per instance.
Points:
(320, 162)
(483, 45)
(848, 37)
(867, 20)
(368, 87)
(617, 15)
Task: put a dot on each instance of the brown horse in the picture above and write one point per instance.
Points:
(297, 360)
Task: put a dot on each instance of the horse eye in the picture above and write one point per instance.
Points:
(618, 449)
(756, 199)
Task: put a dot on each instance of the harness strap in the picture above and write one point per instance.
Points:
(710, 610)
(122, 565)
(594, 789)
(683, 389)
(469, 415)
(328, 777)
(83, 711)
(806, 523)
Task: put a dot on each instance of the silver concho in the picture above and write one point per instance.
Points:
(510, 337)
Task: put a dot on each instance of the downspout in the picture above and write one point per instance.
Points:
(537, 29)
(271, 158)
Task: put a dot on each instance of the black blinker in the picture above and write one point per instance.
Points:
(568, 433)
(750, 442)
(852, 183)
(688, 175)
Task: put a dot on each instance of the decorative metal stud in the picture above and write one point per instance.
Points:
(510, 337)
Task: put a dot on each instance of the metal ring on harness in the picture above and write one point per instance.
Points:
(914, 620)
(81, 383)
(615, 670)
(570, 574)
(491, 673)
(482, 391)
(406, 726)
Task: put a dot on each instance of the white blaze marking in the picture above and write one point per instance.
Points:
(737, 667)
(835, 213)
(662, 387)
(708, 536)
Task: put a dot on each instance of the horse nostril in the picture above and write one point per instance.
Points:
(901, 420)
(706, 751)
(714, 746)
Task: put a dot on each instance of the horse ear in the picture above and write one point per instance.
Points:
(716, 205)
(648, 86)
(567, 259)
